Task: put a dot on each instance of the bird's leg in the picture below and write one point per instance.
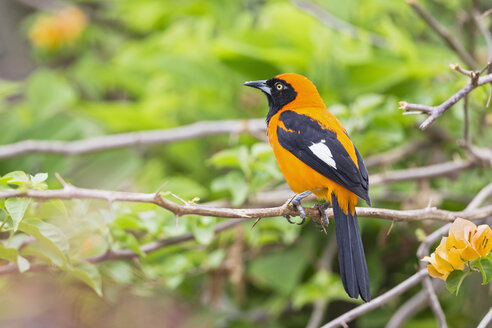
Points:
(297, 203)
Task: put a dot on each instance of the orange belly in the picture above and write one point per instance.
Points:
(301, 177)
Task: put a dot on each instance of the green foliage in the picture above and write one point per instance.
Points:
(482, 265)
(455, 279)
(151, 64)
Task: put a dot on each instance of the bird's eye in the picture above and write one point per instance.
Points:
(279, 86)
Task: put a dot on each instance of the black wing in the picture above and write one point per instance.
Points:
(320, 149)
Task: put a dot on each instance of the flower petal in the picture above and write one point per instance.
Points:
(482, 240)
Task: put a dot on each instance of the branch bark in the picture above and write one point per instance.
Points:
(125, 254)
(337, 24)
(72, 192)
(441, 31)
(342, 320)
(435, 111)
(195, 130)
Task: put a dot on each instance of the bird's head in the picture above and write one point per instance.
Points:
(288, 91)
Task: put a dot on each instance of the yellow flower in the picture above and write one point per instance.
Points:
(54, 31)
(482, 240)
(465, 242)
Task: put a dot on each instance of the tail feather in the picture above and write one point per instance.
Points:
(353, 267)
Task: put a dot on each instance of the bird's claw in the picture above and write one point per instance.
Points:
(287, 217)
(323, 222)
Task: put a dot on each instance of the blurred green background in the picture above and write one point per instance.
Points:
(74, 70)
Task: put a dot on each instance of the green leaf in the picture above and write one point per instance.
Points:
(17, 178)
(37, 181)
(9, 254)
(323, 285)
(454, 280)
(119, 271)
(47, 254)
(5, 179)
(48, 93)
(133, 245)
(203, 230)
(238, 188)
(88, 273)
(12, 255)
(269, 270)
(226, 158)
(484, 264)
(16, 207)
(47, 234)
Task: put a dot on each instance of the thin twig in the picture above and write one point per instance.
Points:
(325, 263)
(378, 301)
(195, 130)
(337, 24)
(440, 169)
(435, 111)
(439, 29)
(466, 128)
(124, 254)
(424, 248)
(434, 303)
(486, 320)
(396, 154)
(414, 305)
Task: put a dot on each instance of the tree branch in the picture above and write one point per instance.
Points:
(435, 111)
(125, 254)
(72, 192)
(415, 304)
(439, 29)
(486, 319)
(337, 24)
(163, 136)
(423, 172)
(396, 154)
(378, 301)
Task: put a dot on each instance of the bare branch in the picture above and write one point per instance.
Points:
(435, 111)
(195, 130)
(466, 128)
(485, 32)
(395, 154)
(378, 301)
(414, 305)
(428, 213)
(440, 169)
(439, 29)
(337, 24)
(424, 248)
(324, 263)
(486, 319)
(125, 254)
(434, 303)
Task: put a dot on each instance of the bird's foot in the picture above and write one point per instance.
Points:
(323, 222)
(297, 203)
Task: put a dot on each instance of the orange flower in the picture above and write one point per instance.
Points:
(54, 31)
(466, 242)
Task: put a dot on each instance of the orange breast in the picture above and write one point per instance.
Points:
(300, 176)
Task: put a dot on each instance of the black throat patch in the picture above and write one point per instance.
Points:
(278, 98)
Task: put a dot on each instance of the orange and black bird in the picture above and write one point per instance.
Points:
(316, 156)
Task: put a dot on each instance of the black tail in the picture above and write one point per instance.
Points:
(353, 267)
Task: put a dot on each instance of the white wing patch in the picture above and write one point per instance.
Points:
(322, 151)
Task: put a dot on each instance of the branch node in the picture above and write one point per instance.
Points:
(65, 184)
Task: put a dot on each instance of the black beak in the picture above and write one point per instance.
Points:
(259, 85)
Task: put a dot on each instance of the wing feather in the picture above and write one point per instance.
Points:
(320, 149)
